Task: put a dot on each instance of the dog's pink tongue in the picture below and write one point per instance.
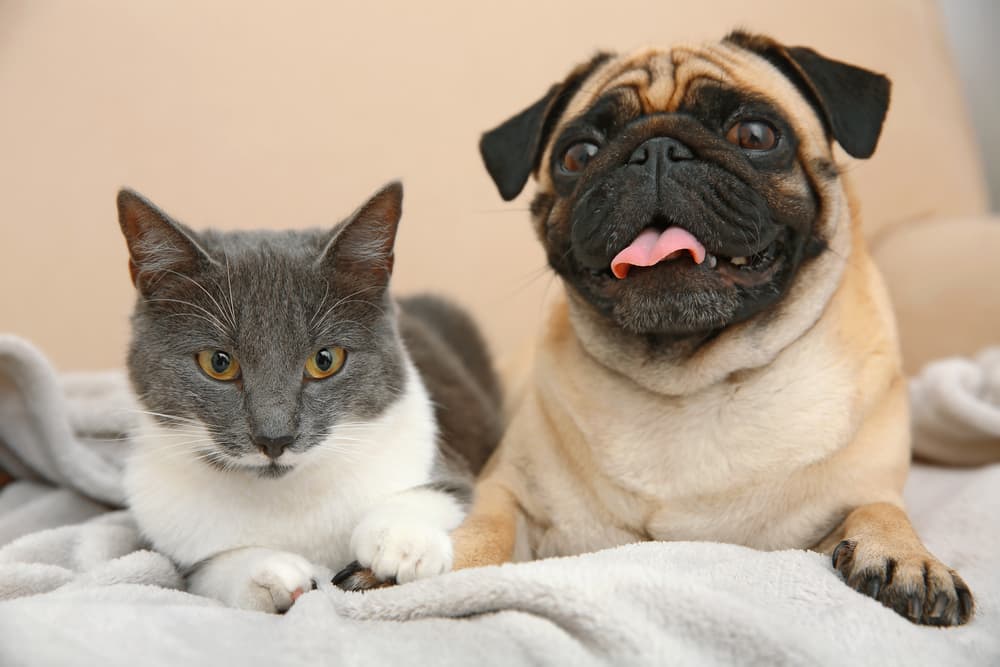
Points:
(652, 247)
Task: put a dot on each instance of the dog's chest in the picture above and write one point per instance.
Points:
(725, 464)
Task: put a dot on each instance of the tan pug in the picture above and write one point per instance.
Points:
(723, 364)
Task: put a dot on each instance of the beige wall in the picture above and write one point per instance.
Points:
(972, 27)
(231, 115)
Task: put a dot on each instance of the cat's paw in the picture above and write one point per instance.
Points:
(276, 582)
(395, 549)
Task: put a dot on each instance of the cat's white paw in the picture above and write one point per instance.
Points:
(276, 581)
(400, 549)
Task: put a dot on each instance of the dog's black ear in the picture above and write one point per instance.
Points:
(512, 150)
(852, 101)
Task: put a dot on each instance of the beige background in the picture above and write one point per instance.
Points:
(231, 115)
(972, 27)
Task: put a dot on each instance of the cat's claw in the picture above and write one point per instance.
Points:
(403, 551)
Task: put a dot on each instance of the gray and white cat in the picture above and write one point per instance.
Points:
(296, 417)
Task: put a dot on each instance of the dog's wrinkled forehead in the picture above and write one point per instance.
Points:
(819, 99)
(661, 81)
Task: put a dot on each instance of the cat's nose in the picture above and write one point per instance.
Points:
(272, 446)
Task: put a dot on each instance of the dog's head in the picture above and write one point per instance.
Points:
(681, 192)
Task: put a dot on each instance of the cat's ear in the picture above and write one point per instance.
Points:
(157, 246)
(361, 247)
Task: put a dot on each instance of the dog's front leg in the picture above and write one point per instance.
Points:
(489, 533)
(879, 554)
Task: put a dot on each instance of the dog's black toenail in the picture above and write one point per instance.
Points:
(940, 605)
(890, 570)
(843, 552)
(873, 586)
(343, 575)
(965, 602)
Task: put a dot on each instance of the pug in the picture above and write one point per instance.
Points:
(722, 363)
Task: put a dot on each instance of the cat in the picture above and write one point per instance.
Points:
(296, 419)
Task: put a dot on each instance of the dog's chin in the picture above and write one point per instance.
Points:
(678, 298)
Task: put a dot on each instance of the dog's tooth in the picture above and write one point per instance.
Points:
(739, 261)
(711, 260)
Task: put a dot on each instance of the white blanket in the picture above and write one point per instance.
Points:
(77, 587)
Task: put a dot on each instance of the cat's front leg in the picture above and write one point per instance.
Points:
(255, 578)
(404, 538)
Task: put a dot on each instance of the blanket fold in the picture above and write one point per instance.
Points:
(955, 405)
(79, 586)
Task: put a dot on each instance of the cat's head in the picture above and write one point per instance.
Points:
(253, 350)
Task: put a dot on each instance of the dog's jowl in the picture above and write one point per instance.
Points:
(723, 364)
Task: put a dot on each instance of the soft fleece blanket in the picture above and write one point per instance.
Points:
(78, 587)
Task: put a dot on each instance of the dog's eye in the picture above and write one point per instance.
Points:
(578, 155)
(753, 135)
(219, 365)
(325, 362)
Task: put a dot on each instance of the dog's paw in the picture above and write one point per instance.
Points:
(401, 551)
(356, 577)
(912, 582)
(276, 581)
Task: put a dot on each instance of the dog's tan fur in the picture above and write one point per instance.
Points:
(789, 430)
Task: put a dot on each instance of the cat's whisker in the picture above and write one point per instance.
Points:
(158, 444)
(212, 316)
(222, 312)
(348, 299)
(218, 326)
(326, 293)
(208, 316)
(177, 423)
(232, 302)
(170, 437)
(341, 322)
(217, 460)
(187, 454)
(355, 426)
(190, 451)
(195, 422)
(353, 430)
(347, 433)
(99, 438)
(177, 444)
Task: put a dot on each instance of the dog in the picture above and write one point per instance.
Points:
(723, 362)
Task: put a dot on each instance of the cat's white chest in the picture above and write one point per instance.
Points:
(192, 514)
(190, 510)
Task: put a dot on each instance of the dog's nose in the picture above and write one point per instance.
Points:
(272, 446)
(660, 150)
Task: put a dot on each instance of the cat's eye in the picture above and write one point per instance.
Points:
(219, 365)
(753, 135)
(325, 362)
